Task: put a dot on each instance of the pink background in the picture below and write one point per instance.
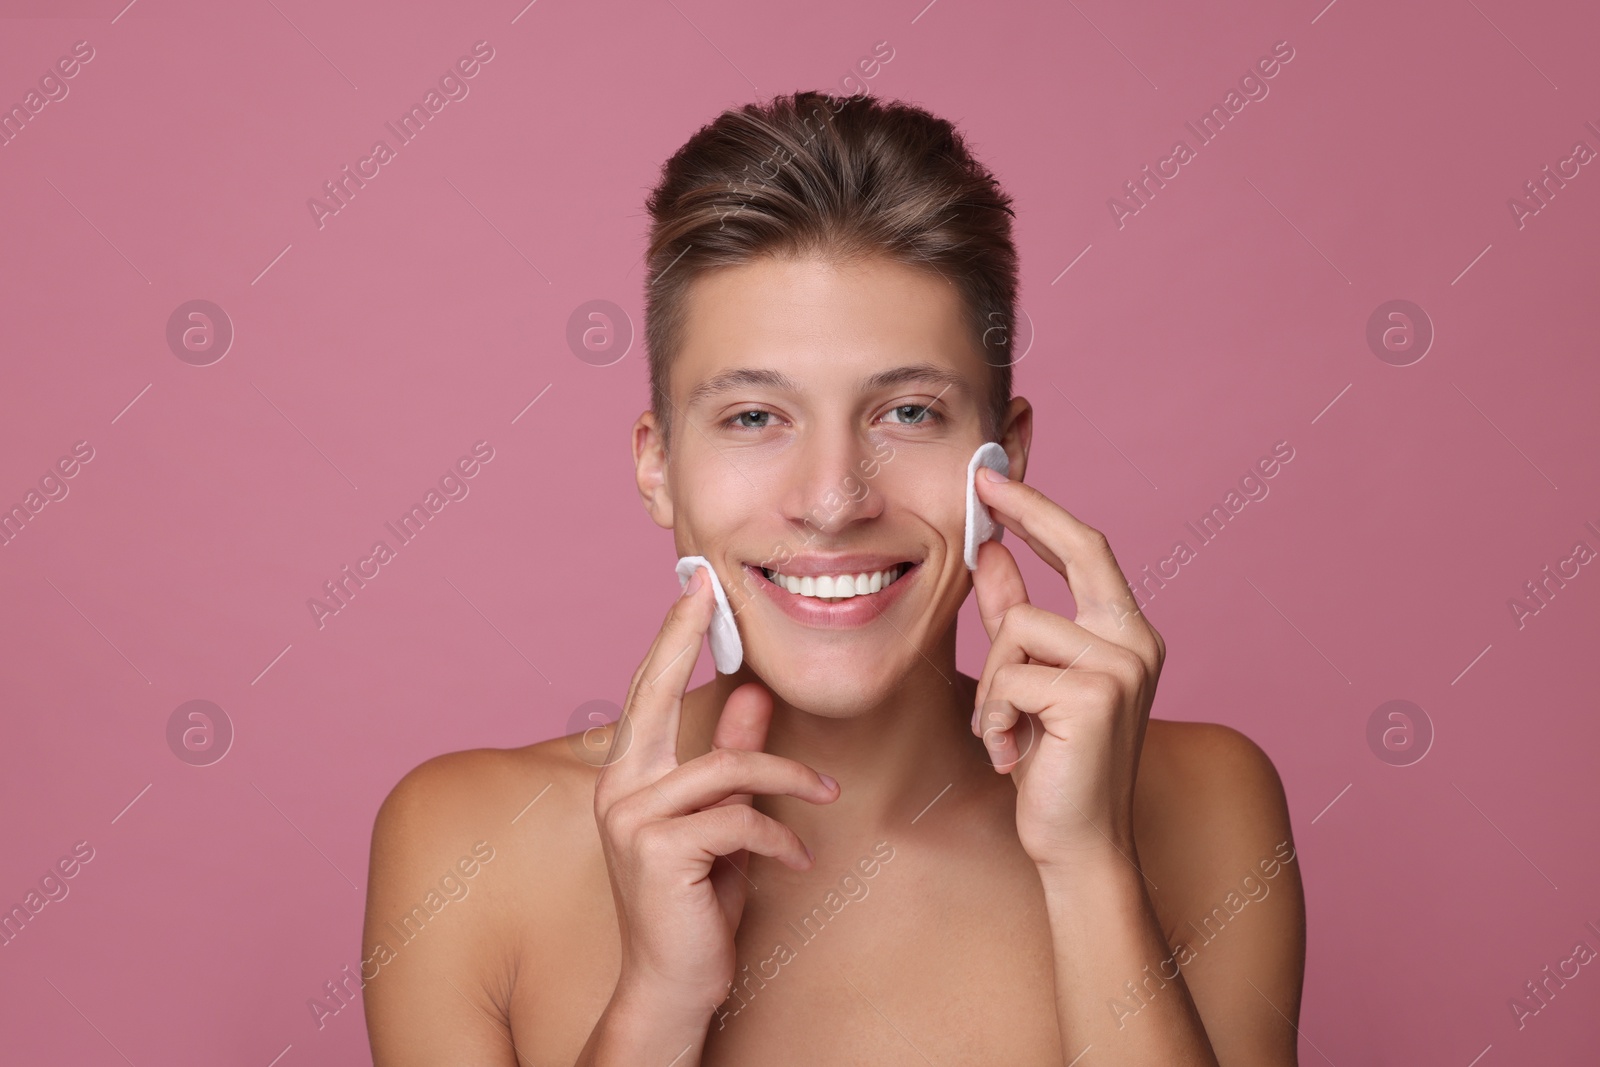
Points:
(1228, 314)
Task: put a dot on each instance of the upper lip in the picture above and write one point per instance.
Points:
(849, 563)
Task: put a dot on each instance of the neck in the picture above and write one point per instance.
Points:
(899, 760)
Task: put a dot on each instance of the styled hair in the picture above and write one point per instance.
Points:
(844, 178)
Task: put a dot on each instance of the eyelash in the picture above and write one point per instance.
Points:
(930, 415)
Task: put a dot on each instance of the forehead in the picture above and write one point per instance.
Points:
(819, 316)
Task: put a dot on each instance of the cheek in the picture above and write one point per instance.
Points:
(934, 492)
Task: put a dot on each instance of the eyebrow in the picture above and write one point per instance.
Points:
(771, 379)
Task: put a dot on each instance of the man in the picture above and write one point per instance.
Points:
(847, 851)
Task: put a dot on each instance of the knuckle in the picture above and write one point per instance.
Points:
(1105, 689)
(653, 840)
(615, 821)
(722, 761)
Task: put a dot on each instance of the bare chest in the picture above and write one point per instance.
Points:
(920, 961)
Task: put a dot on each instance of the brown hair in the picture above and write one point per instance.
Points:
(850, 178)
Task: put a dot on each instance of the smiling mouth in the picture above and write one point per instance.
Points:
(834, 589)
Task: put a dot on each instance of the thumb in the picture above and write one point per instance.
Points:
(743, 724)
(744, 720)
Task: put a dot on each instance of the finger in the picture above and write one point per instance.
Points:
(998, 583)
(1030, 634)
(706, 780)
(654, 704)
(726, 830)
(746, 714)
(1079, 553)
(1035, 697)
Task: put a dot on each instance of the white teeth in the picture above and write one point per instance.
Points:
(836, 587)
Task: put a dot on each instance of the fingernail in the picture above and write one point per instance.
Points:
(990, 474)
(696, 580)
(829, 781)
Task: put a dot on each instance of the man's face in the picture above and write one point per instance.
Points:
(825, 411)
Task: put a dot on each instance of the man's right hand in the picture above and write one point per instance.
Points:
(663, 825)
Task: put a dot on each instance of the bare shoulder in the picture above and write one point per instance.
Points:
(1208, 801)
(467, 849)
(1210, 782)
(1212, 827)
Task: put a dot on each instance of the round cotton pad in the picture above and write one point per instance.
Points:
(727, 651)
(981, 526)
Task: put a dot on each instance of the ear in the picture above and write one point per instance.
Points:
(1016, 435)
(650, 470)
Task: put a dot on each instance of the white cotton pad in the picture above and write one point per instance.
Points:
(981, 526)
(727, 651)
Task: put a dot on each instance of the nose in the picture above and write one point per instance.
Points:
(830, 488)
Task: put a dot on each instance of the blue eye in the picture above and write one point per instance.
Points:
(928, 414)
(914, 415)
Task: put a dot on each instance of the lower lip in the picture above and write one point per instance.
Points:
(841, 615)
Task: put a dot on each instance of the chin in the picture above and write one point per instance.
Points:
(831, 686)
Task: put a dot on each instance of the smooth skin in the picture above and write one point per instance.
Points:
(1069, 880)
